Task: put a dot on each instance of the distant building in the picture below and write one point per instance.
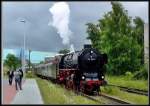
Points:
(146, 44)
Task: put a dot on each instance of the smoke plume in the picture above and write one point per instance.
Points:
(60, 13)
(72, 48)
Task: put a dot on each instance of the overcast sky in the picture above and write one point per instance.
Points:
(41, 37)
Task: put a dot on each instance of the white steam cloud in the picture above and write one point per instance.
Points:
(72, 48)
(60, 13)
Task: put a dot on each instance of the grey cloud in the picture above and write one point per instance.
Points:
(42, 37)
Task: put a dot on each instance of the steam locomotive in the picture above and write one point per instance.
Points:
(79, 70)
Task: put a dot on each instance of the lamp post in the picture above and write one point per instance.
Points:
(23, 60)
(29, 59)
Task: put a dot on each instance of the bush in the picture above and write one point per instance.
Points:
(128, 75)
(107, 89)
(142, 74)
(30, 74)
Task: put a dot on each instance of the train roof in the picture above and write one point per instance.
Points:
(43, 64)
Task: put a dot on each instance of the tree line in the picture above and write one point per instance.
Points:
(122, 38)
(12, 62)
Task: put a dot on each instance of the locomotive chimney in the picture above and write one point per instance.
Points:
(87, 46)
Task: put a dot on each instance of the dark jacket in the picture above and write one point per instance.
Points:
(21, 73)
(10, 73)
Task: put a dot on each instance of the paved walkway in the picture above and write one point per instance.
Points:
(8, 92)
(29, 95)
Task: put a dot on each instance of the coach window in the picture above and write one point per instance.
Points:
(42, 68)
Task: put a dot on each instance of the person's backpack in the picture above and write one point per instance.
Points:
(17, 75)
(12, 73)
(21, 72)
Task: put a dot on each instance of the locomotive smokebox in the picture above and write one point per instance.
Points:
(87, 46)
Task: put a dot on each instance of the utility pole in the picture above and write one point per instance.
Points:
(24, 21)
(29, 59)
(146, 45)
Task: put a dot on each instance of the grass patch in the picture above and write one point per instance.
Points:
(56, 94)
(29, 74)
(127, 82)
(133, 98)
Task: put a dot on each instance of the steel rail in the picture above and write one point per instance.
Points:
(115, 99)
(132, 90)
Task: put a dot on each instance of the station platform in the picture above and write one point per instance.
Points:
(30, 93)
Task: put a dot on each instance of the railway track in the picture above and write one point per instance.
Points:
(110, 99)
(91, 97)
(115, 99)
(131, 90)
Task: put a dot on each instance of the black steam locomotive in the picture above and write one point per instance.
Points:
(80, 70)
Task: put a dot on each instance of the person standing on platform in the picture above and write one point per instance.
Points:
(10, 76)
(17, 75)
(21, 76)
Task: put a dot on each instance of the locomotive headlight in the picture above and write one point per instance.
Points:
(102, 77)
(83, 77)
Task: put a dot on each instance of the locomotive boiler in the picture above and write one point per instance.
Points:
(79, 70)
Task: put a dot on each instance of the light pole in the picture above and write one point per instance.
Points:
(23, 60)
(29, 59)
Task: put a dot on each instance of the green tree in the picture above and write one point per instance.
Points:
(41, 62)
(64, 51)
(94, 34)
(114, 35)
(12, 62)
(139, 35)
